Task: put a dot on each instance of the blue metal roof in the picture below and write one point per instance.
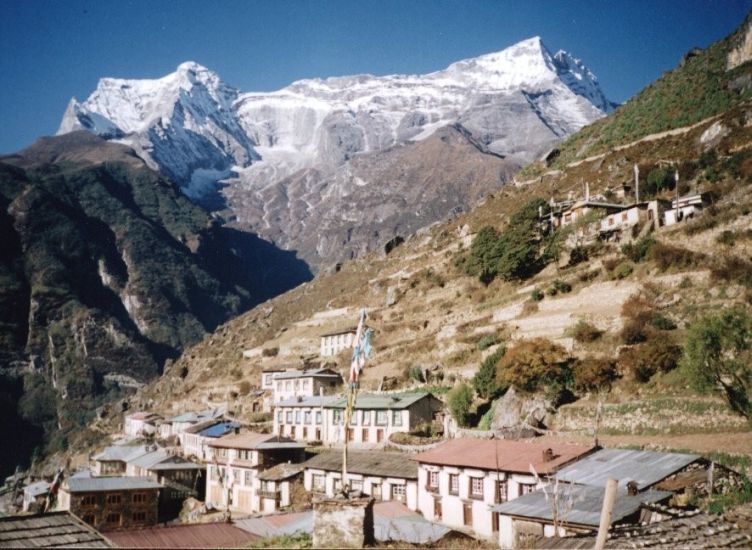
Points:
(218, 430)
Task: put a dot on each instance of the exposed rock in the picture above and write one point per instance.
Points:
(514, 410)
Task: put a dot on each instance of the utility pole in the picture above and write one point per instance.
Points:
(606, 513)
(637, 183)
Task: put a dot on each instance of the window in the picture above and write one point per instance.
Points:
(350, 434)
(244, 454)
(437, 509)
(267, 379)
(381, 418)
(113, 518)
(280, 416)
(356, 484)
(288, 386)
(337, 417)
(319, 483)
(305, 433)
(501, 492)
(454, 484)
(397, 418)
(214, 473)
(139, 498)
(433, 481)
(364, 435)
(89, 518)
(398, 492)
(288, 417)
(526, 488)
(88, 500)
(476, 487)
(139, 517)
(624, 216)
(379, 436)
(307, 417)
(114, 499)
(354, 418)
(318, 417)
(297, 385)
(366, 418)
(305, 384)
(248, 478)
(279, 386)
(467, 514)
(297, 417)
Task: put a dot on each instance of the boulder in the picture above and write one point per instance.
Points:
(513, 410)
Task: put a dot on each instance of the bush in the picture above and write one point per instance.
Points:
(584, 332)
(659, 179)
(533, 364)
(667, 256)
(269, 352)
(622, 271)
(593, 374)
(661, 322)
(459, 401)
(244, 388)
(415, 373)
(655, 355)
(536, 295)
(638, 250)
(577, 255)
(484, 381)
(487, 341)
(559, 286)
(727, 238)
(735, 270)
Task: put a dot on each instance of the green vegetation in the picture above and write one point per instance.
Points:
(484, 380)
(718, 504)
(486, 341)
(659, 179)
(559, 287)
(536, 364)
(584, 332)
(717, 357)
(296, 540)
(638, 250)
(459, 400)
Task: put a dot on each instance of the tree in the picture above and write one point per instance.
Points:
(717, 357)
(484, 255)
(484, 380)
(532, 364)
(459, 400)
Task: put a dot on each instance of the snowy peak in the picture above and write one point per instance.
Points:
(581, 80)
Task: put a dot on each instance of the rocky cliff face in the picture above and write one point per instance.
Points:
(261, 155)
(106, 271)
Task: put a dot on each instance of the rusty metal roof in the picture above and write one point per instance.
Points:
(202, 535)
(56, 529)
(503, 455)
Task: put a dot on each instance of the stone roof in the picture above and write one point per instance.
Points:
(503, 455)
(692, 530)
(55, 529)
(368, 463)
(280, 472)
(251, 441)
(645, 468)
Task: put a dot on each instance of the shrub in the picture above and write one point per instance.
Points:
(415, 373)
(577, 255)
(584, 332)
(487, 341)
(532, 364)
(536, 295)
(610, 263)
(622, 271)
(727, 238)
(638, 250)
(668, 256)
(735, 270)
(459, 400)
(659, 179)
(593, 374)
(559, 286)
(655, 355)
(661, 322)
(244, 388)
(484, 381)
(269, 352)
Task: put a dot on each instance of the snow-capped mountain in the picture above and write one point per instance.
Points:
(294, 149)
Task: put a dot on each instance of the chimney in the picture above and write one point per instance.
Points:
(548, 455)
(632, 488)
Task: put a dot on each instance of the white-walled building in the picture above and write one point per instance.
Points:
(689, 206)
(178, 424)
(305, 383)
(231, 480)
(461, 480)
(141, 424)
(196, 439)
(376, 416)
(334, 342)
(382, 475)
(276, 487)
(303, 418)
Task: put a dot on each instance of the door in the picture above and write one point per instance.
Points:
(467, 514)
(437, 509)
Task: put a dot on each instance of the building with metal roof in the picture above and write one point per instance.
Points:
(644, 468)
(90, 484)
(56, 529)
(203, 535)
(294, 383)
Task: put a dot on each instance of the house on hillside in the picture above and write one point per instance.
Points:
(382, 475)
(566, 509)
(305, 383)
(112, 461)
(109, 503)
(231, 480)
(686, 208)
(334, 342)
(623, 224)
(35, 496)
(141, 424)
(178, 424)
(461, 480)
(376, 416)
(195, 439)
(302, 418)
(281, 487)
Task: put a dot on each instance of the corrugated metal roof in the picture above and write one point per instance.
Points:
(162, 460)
(251, 440)
(645, 468)
(81, 484)
(503, 455)
(278, 524)
(314, 401)
(374, 463)
(218, 430)
(122, 453)
(337, 332)
(37, 489)
(203, 535)
(200, 416)
(577, 504)
(55, 529)
(366, 401)
(310, 373)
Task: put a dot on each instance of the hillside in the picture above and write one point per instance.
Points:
(628, 307)
(107, 271)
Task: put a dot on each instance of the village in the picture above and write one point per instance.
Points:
(206, 476)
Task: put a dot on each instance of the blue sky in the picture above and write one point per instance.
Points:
(53, 50)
